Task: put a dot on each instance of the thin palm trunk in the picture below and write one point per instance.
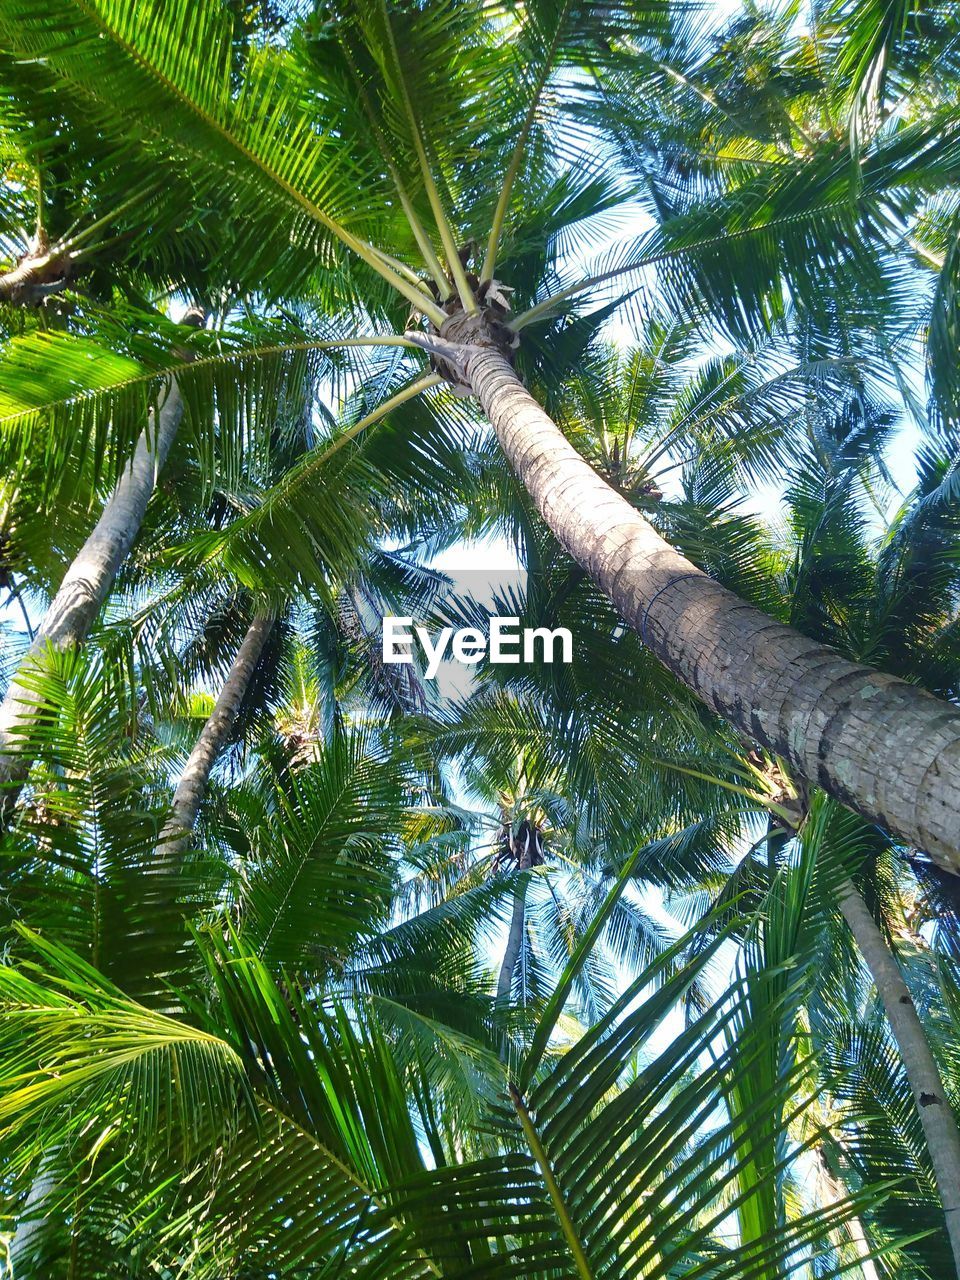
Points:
(936, 1114)
(174, 838)
(884, 747)
(28, 1233)
(86, 583)
(511, 952)
(213, 738)
(832, 1194)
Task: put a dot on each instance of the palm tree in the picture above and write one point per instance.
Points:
(891, 593)
(88, 579)
(231, 402)
(266, 1075)
(868, 592)
(213, 736)
(313, 849)
(273, 997)
(249, 141)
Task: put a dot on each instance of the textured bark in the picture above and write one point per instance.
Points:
(511, 952)
(87, 581)
(936, 1114)
(213, 737)
(31, 1224)
(38, 275)
(832, 1193)
(884, 747)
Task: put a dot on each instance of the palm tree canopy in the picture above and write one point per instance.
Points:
(577, 976)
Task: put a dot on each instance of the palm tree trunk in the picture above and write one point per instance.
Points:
(85, 584)
(33, 1218)
(174, 838)
(936, 1114)
(511, 952)
(832, 1194)
(213, 738)
(884, 747)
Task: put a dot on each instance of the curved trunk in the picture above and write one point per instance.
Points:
(176, 832)
(936, 1114)
(882, 746)
(87, 581)
(213, 737)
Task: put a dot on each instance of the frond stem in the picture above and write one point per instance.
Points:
(434, 266)
(454, 264)
(423, 383)
(761, 801)
(503, 203)
(416, 226)
(418, 297)
(934, 259)
(398, 266)
(71, 241)
(553, 1188)
(663, 255)
(222, 358)
(349, 1175)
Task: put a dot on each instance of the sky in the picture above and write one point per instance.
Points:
(494, 561)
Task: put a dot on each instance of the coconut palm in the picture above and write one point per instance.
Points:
(309, 987)
(890, 591)
(323, 134)
(267, 1073)
(235, 406)
(312, 846)
(869, 590)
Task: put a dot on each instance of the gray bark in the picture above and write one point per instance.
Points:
(39, 274)
(884, 747)
(213, 737)
(86, 583)
(511, 952)
(30, 1225)
(833, 1194)
(936, 1114)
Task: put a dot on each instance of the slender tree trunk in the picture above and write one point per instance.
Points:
(833, 1193)
(174, 838)
(884, 747)
(213, 738)
(511, 952)
(32, 1221)
(936, 1114)
(86, 583)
